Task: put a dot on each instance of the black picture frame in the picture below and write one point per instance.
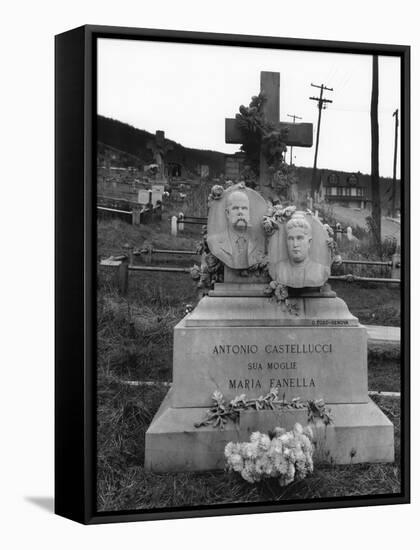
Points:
(75, 269)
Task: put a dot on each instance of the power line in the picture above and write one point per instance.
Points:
(339, 89)
(291, 148)
(357, 110)
(332, 72)
(322, 104)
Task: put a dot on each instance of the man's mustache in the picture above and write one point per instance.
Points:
(241, 221)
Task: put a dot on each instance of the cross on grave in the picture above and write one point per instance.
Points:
(298, 135)
(160, 147)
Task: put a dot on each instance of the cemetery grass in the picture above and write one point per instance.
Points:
(135, 343)
(124, 414)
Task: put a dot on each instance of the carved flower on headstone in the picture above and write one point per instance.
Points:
(216, 192)
(269, 225)
(195, 272)
(329, 230)
(211, 261)
(288, 211)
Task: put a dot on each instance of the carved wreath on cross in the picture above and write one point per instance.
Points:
(258, 134)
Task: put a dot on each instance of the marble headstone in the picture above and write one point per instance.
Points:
(239, 340)
(157, 194)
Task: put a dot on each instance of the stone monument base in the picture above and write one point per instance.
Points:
(250, 344)
(238, 341)
(360, 433)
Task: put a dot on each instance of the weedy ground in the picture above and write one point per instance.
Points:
(134, 342)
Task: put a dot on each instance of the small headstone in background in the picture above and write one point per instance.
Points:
(174, 226)
(181, 224)
(157, 192)
(310, 202)
(352, 238)
(143, 196)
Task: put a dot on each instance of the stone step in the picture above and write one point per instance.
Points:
(359, 433)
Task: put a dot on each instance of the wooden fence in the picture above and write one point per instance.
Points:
(136, 216)
(178, 222)
(125, 263)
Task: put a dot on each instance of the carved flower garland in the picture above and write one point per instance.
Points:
(276, 214)
(222, 411)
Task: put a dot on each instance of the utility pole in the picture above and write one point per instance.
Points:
(291, 148)
(394, 176)
(321, 105)
(376, 196)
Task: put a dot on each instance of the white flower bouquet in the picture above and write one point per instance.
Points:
(287, 456)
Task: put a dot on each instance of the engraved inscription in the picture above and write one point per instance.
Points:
(244, 349)
(279, 360)
(255, 383)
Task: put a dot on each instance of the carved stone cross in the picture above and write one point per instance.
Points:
(160, 147)
(298, 135)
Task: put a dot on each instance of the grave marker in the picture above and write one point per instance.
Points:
(233, 167)
(143, 196)
(240, 340)
(174, 226)
(160, 148)
(297, 134)
(157, 190)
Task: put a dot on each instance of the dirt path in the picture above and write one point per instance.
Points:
(351, 217)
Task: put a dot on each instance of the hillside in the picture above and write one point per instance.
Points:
(131, 146)
(133, 141)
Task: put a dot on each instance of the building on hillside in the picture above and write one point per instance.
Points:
(346, 190)
(175, 170)
(234, 166)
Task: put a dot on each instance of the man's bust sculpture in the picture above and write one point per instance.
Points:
(234, 235)
(299, 269)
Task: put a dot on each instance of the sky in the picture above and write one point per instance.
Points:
(188, 90)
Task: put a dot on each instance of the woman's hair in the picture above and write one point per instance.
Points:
(301, 223)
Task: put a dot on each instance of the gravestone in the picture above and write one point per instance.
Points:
(160, 148)
(143, 196)
(238, 340)
(233, 166)
(296, 134)
(174, 226)
(204, 171)
(157, 190)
